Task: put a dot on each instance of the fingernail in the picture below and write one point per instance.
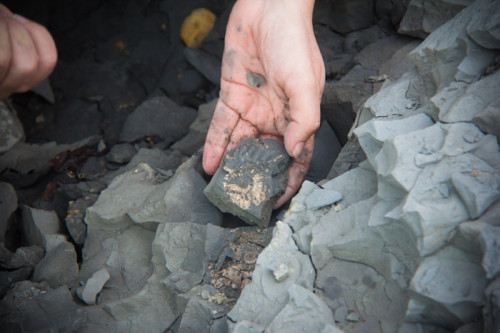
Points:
(298, 149)
(21, 19)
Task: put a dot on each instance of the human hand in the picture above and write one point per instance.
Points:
(272, 80)
(27, 53)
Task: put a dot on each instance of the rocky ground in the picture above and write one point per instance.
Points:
(104, 225)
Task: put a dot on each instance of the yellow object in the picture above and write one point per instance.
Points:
(197, 26)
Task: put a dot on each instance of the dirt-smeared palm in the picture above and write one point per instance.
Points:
(271, 85)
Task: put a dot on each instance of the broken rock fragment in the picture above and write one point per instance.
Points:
(250, 180)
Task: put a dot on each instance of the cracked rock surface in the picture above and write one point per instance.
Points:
(400, 233)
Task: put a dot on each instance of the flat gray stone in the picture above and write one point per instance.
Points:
(250, 179)
(158, 116)
(88, 293)
(322, 197)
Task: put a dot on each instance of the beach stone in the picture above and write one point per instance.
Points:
(11, 129)
(250, 179)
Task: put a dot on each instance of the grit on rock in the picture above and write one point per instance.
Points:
(106, 216)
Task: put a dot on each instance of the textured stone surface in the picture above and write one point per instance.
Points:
(250, 179)
(11, 129)
(58, 267)
(8, 204)
(304, 312)
(195, 138)
(423, 17)
(38, 224)
(483, 27)
(268, 292)
(44, 309)
(121, 153)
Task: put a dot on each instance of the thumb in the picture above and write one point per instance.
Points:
(305, 118)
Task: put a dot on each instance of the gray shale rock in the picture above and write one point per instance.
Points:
(424, 16)
(8, 205)
(250, 179)
(11, 129)
(88, 293)
(43, 309)
(158, 116)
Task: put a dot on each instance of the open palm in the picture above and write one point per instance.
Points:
(271, 84)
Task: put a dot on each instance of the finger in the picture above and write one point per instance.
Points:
(5, 51)
(5, 10)
(242, 131)
(24, 56)
(223, 123)
(46, 50)
(305, 98)
(297, 172)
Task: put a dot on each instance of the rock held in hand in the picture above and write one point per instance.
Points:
(250, 180)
